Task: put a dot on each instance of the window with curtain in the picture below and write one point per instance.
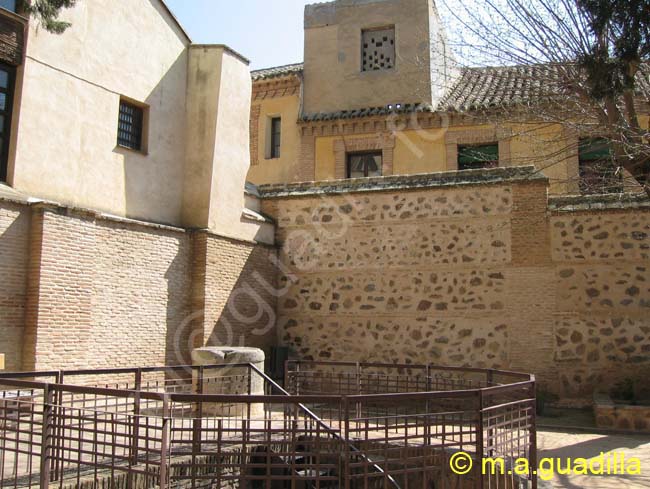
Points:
(362, 165)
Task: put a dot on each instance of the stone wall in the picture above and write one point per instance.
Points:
(602, 321)
(101, 292)
(464, 271)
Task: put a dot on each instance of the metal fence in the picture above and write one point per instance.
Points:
(337, 425)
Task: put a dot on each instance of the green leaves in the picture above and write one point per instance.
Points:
(47, 13)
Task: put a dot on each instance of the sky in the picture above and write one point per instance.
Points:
(268, 32)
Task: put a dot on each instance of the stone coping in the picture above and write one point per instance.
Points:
(404, 182)
(572, 203)
(11, 196)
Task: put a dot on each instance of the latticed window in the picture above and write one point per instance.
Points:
(378, 49)
(362, 165)
(597, 166)
(478, 156)
(129, 128)
(276, 136)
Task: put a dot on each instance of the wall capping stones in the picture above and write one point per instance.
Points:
(82, 212)
(572, 203)
(404, 182)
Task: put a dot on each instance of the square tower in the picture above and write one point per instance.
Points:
(372, 53)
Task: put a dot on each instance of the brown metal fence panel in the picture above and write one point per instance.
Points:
(348, 425)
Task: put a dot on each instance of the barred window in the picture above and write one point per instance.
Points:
(130, 125)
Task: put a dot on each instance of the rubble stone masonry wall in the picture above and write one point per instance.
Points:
(481, 274)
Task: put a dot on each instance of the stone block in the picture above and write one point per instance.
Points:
(233, 379)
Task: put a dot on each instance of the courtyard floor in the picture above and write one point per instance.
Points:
(564, 443)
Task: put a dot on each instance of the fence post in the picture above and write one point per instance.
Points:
(164, 444)
(46, 435)
(135, 434)
(480, 453)
(346, 451)
(58, 430)
(358, 379)
(427, 422)
(286, 385)
(533, 436)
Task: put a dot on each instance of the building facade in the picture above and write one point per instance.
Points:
(129, 236)
(379, 93)
(123, 209)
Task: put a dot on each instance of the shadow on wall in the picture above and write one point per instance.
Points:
(153, 178)
(178, 339)
(14, 240)
(232, 301)
(243, 310)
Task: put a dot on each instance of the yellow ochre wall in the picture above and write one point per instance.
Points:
(425, 151)
(285, 168)
(546, 146)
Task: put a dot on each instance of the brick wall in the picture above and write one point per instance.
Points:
(14, 240)
(469, 274)
(234, 300)
(106, 293)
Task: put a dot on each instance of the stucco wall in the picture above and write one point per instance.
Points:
(333, 76)
(67, 131)
(475, 275)
(429, 150)
(286, 167)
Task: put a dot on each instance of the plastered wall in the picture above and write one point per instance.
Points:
(334, 80)
(66, 147)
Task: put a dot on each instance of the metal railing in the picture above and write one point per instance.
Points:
(230, 426)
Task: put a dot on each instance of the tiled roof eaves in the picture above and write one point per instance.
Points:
(366, 112)
(403, 182)
(277, 72)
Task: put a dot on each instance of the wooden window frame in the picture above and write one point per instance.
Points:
(7, 113)
(487, 163)
(607, 183)
(276, 137)
(352, 154)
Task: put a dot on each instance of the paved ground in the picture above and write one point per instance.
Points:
(556, 443)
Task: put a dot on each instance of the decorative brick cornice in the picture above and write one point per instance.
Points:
(254, 133)
(276, 87)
